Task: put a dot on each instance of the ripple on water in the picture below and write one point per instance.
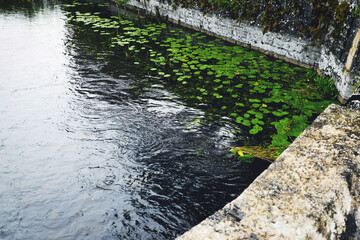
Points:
(89, 153)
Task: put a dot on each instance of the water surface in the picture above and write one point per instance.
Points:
(88, 152)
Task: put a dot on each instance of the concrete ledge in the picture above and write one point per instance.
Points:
(312, 191)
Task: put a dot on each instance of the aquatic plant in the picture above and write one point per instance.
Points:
(247, 153)
(255, 92)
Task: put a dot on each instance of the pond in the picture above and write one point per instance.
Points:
(104, 133)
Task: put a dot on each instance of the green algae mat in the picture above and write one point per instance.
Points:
(268, 101)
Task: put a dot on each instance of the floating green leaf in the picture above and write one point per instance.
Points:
(246, 123)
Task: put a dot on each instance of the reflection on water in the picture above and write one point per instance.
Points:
(28, 8)
(86, 155)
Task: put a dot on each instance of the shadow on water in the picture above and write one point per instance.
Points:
(90, 148)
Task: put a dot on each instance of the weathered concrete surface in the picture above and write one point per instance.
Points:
(330, 59)
(312, 191)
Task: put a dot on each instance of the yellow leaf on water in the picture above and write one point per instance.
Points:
(268, 154)
(240, 153)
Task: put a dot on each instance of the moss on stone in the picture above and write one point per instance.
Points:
(309, 18)
(341, 12)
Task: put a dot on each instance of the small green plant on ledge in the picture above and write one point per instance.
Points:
(326, 87)
(120, 3)
(357, 12)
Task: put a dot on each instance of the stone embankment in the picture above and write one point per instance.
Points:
(312, 191)
(337, 59)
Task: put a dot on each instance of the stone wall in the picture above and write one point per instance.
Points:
(312, 191)
(330, 57)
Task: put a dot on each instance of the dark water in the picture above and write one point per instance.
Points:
(88, 154)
